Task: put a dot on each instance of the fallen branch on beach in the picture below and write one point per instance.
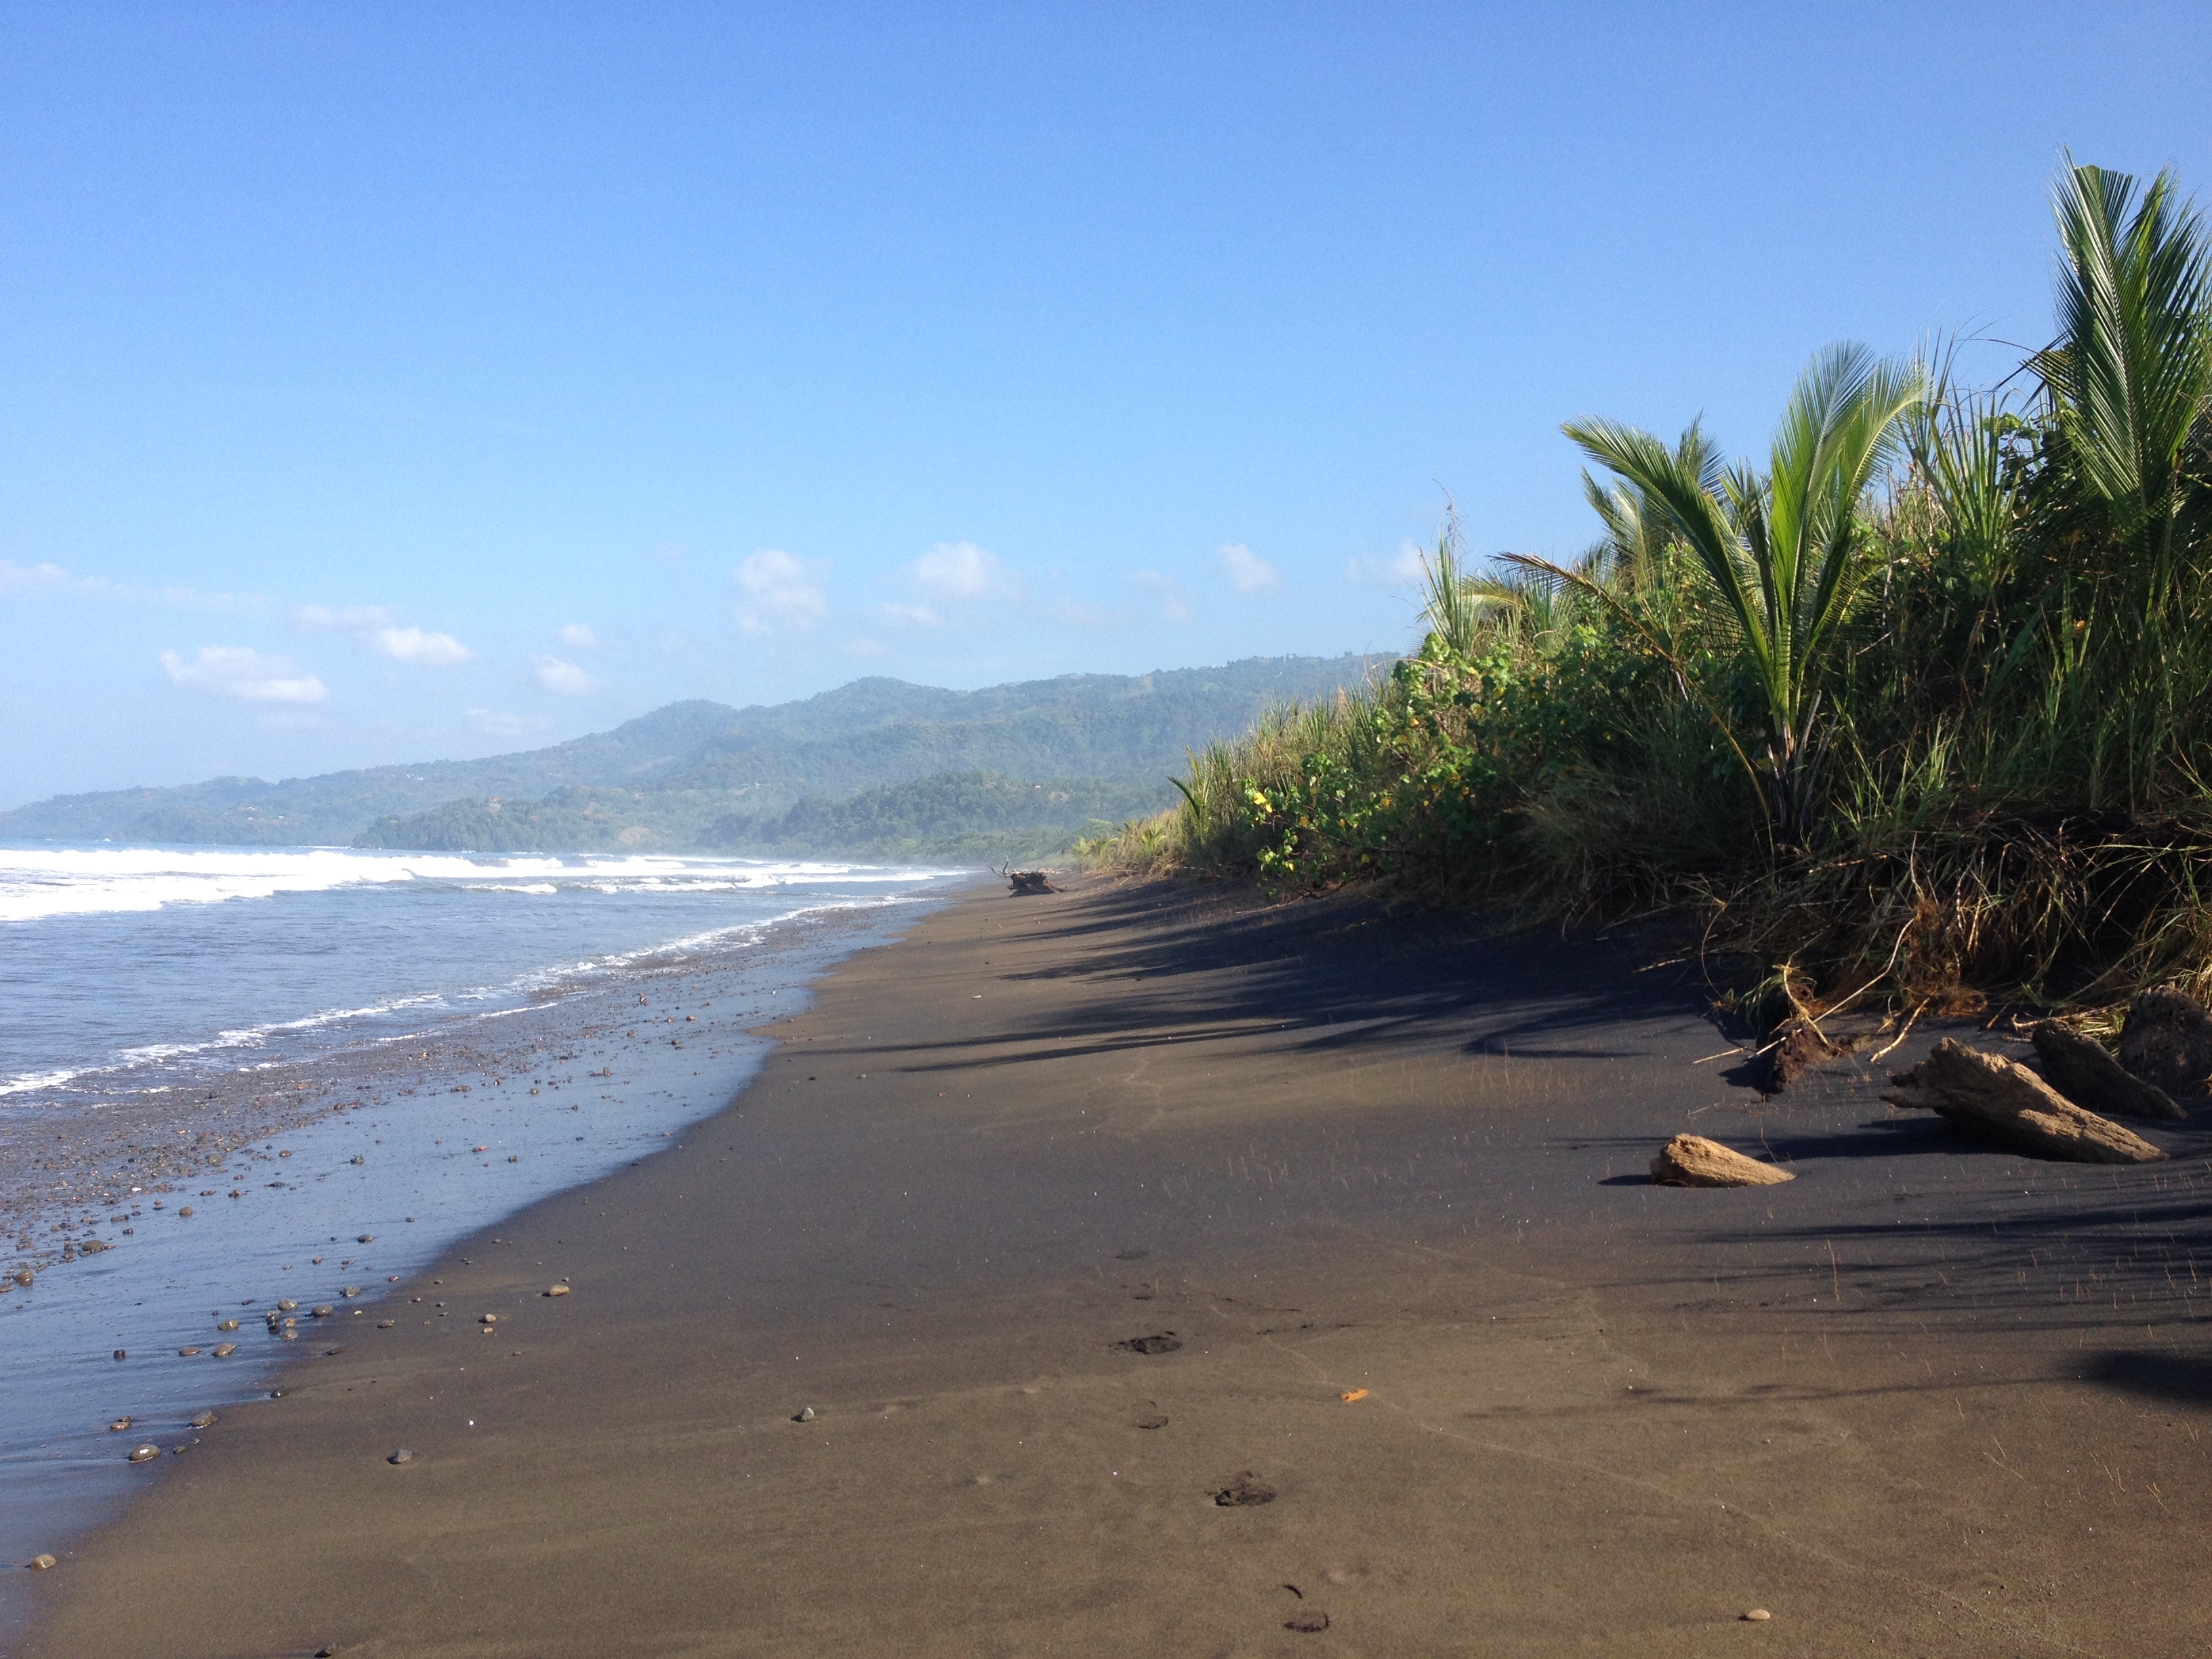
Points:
(1989, 1092)
(1026, 882)
(1694, 1161)
(2079, 1068)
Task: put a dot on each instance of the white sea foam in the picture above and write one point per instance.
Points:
(42, 882)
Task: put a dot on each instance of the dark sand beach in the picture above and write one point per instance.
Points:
(1929, 1397)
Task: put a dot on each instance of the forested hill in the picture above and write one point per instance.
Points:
(700, 774)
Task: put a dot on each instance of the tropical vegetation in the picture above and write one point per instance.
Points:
(1918, 707)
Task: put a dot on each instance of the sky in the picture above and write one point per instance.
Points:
(399, 381)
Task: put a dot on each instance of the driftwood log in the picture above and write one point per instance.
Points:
(2167, 1040)
(1024, 882)
(2079, 1068)
(1694, 1161)
(2004, 1098)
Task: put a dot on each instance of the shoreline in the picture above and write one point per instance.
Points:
(305, 1155)
(1928, 1397)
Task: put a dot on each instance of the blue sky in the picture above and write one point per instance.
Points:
(390, 382)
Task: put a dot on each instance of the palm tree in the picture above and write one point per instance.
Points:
(2132, 370)
(1784, 550)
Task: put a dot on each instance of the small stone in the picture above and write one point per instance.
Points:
(121, 1354)
(556, 1290)
(403, 1456)
(1158, 1342)
(386, 1324)
(288, 1304)
(1244, 1491)
(323, 1312)
(22, 1275)
(227, 1325)
(187, 1353)
(370, 1238)
(1151, 1422)
(329, 1650)
(356, 1158)
(1307, 1621)
(806, 1415)
(488, 1319)
(204, 1420)
(224, 1350)
(43, 1563)
(479, 1149)
(144, 1454)
(120, 1425)
(1759, 1615)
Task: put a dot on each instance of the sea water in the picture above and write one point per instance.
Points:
(131, 967)
(154, 986)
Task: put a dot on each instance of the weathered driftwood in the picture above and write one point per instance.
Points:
(2167, 1041)
(1694, 1161)
(2004, 1098)
(2079, 1068)
(1025, 882)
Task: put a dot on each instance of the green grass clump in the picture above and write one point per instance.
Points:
(1921, 708)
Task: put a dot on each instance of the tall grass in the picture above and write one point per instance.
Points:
(1921, 708)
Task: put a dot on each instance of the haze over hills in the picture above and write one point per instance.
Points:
(877, 766)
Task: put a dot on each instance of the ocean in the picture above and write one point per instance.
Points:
(234, 1077)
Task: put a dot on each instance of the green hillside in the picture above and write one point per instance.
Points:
(877, 765)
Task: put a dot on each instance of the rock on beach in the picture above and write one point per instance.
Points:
(1694, 1161)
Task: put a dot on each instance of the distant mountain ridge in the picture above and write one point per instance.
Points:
(698, 774)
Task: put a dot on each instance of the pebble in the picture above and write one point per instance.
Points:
(1759, 1615)
(349, 1290)
(288, 1304)
(144, 1454)
(806, 1415)
(22, 1275)
(43, 1563)
(224, 1350)
(122, 1354)
(187, 1353)
(227, 1325)
(187, 1210)
(403, 1456)
(557, 1290)
(120, 1425)
(204, 1420)
(490, 1319)
(324, 1311)
(370, 1238)
(479, 1149)
(386, 1324)
(358, 1159)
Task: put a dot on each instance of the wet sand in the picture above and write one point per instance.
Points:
(1928, 1398)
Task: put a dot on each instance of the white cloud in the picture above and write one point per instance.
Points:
(917, 615)
(413, 645)
(960, 570)
(578, 637)
(778, 589)
(41, 581)
(499, 723)
(1168, 596)
(562, 678)
(379, 631)
(239, 670)
(1402, 569)
(858, 647)
(1247, 571)
(354, 618)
